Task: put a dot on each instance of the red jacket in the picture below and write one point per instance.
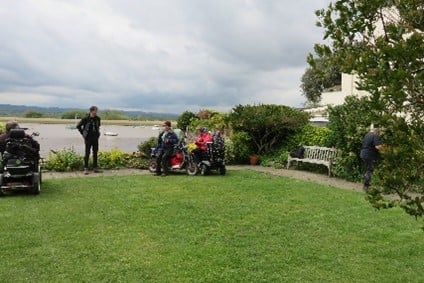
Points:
(202, 139)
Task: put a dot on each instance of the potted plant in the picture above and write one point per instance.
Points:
(254, 159)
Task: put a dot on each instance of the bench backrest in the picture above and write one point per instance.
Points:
(320, 153)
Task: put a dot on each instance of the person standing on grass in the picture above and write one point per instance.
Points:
(89, 127)
(166, 141)
(370, 154)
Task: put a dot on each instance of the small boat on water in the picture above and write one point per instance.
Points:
(111, 134)
(155, 127)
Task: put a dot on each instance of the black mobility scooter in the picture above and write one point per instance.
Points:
(20, 164)
(214, 157)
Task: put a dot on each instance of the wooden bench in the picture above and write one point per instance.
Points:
(317, 155)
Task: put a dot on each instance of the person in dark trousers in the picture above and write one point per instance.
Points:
(370, 154)
(89, 127)
(166, 141)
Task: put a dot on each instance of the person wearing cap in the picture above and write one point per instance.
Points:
(5, 136)
(201, 142)
(89, 127)
(370, 154)
(166, 141)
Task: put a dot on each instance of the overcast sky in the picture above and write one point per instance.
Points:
(155, 55)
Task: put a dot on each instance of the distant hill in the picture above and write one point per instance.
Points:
(20, 110)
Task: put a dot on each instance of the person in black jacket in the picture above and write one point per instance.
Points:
(370, 154)
(89, 127)
(166, 141)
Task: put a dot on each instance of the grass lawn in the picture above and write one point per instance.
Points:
(243, 227)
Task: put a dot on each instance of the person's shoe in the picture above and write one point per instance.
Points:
(97, 170)
(86, 171)
(366, 187)
(164, 174)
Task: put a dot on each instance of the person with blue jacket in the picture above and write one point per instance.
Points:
(166, 142)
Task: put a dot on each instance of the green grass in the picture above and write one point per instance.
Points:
(243, 227)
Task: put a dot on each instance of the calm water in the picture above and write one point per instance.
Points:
(56, 137)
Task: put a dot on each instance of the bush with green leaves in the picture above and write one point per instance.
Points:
(146, 146)
(33, 114)
(72, 114)
(113, 159)
(213, 120)
(68, 160)
(229, 151)
(349, 123)
(113, 115)
(185, 119)
(311, 135)
(64, 160)
(267, 125)
(2, 127)
(308, 135)
(241, 147)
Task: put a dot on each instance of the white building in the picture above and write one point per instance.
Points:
(336, 96)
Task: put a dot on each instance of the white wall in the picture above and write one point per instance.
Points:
(348, 88)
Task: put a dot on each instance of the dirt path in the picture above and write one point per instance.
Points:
(296, 174)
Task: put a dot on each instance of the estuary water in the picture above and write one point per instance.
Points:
(60, 136)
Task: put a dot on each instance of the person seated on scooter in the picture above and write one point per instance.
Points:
(5, 136)
(201, 142)
(166, 141)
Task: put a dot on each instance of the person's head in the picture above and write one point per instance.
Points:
(375, 129)
(203, 130)
(166, 125)
(93, 111)
(11, 125)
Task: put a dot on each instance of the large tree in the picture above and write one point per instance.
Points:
(321, 74)
(382, 42)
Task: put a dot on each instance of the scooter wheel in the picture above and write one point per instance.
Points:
(152, 166)
(204, 170)
(192, 169)
(222, 170)
(36, 184)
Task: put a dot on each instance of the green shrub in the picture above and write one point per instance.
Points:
(71, 114)
(241, 147)
(213, 120)
(113, 159)
(2, 128)
(33, 114)
(267, 125)
(229, 151)
(307, 135)
(64, 160)
(68, 160)
(349, 124)
(349, 167)
(113, 115)
(146, 146)
(185, 119)
(137, 161)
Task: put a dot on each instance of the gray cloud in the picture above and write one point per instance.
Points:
(155, 55)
